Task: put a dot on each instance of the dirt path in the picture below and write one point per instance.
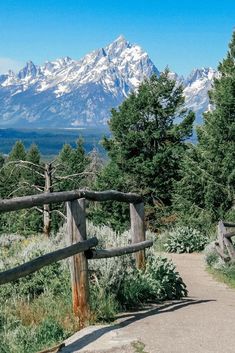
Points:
(202, 323)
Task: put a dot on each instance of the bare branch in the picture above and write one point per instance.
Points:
(36, 187)
(54, 170)
(38, 209)
(54, 160)
(20, 161)
(14, 191)
(60, 213)
(73, 175)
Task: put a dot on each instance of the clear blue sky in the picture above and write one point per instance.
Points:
(179, 33)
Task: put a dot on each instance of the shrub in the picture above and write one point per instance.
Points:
(127, 286)
(49, 332)
(159, 281)
(51, 278)
(23, 339)
(185, 240)
(104, 305)
(212, 258)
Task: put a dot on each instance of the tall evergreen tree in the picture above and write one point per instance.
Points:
(206, 191)
(34, 167)
(12, 174)
(147, 143)
(72, 163)
(18, 152)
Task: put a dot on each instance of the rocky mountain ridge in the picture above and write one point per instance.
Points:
(71, 93)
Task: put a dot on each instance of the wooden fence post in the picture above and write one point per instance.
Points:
(47, 207)
(76, 221)
(138, 231)
(227, 241)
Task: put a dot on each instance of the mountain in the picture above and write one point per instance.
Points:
(197, 85)
(71, 93)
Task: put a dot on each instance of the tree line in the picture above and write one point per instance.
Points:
(149, 152)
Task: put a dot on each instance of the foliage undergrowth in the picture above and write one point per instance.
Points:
(185, 240)
(222, 271)
(36, 311)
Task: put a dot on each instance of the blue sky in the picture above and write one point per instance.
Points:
(181, 34)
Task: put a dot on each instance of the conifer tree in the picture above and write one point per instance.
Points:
(206, 191)
(32, 178)
(18, 152)
(72, 163)
(147, 143)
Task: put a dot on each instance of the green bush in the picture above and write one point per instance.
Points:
(49, 332)
(53, 278)
(104, 305)
(159, 281)
(23, 339)
(185, 240)
(212, 258)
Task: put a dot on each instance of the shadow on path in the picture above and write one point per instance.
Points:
(131, 318)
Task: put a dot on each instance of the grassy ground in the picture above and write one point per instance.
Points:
(227, 277)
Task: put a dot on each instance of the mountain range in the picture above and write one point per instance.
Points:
(68, 93)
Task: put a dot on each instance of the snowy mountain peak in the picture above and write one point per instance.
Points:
(197, 85)
(71, 93)
(202, 73)
(10, 73)
(29, 71)
(120, 38)
(117, 46)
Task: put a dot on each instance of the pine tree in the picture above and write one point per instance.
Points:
(18, 152)
(206, 191)
(11, 173)
(147, 143)
(33, 168)
(72, 163)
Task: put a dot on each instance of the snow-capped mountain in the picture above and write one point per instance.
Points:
(70, 93)
(197, 85)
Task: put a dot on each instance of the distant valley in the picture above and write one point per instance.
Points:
(50, 141)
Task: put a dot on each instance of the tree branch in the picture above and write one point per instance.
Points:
(41, 189)
(60, 213)
(38, 209)
(20, 161)
(73, 175)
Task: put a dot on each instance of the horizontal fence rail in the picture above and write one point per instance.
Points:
(113, 252)
(18, 203)
(45, 260)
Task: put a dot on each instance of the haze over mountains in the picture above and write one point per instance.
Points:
(66, 93)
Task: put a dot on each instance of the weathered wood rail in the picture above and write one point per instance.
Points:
(79, 248)
(223, 244)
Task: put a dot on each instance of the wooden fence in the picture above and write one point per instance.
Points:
(79, 248)
(224, 245)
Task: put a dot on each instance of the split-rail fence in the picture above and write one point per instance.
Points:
(80, 249)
